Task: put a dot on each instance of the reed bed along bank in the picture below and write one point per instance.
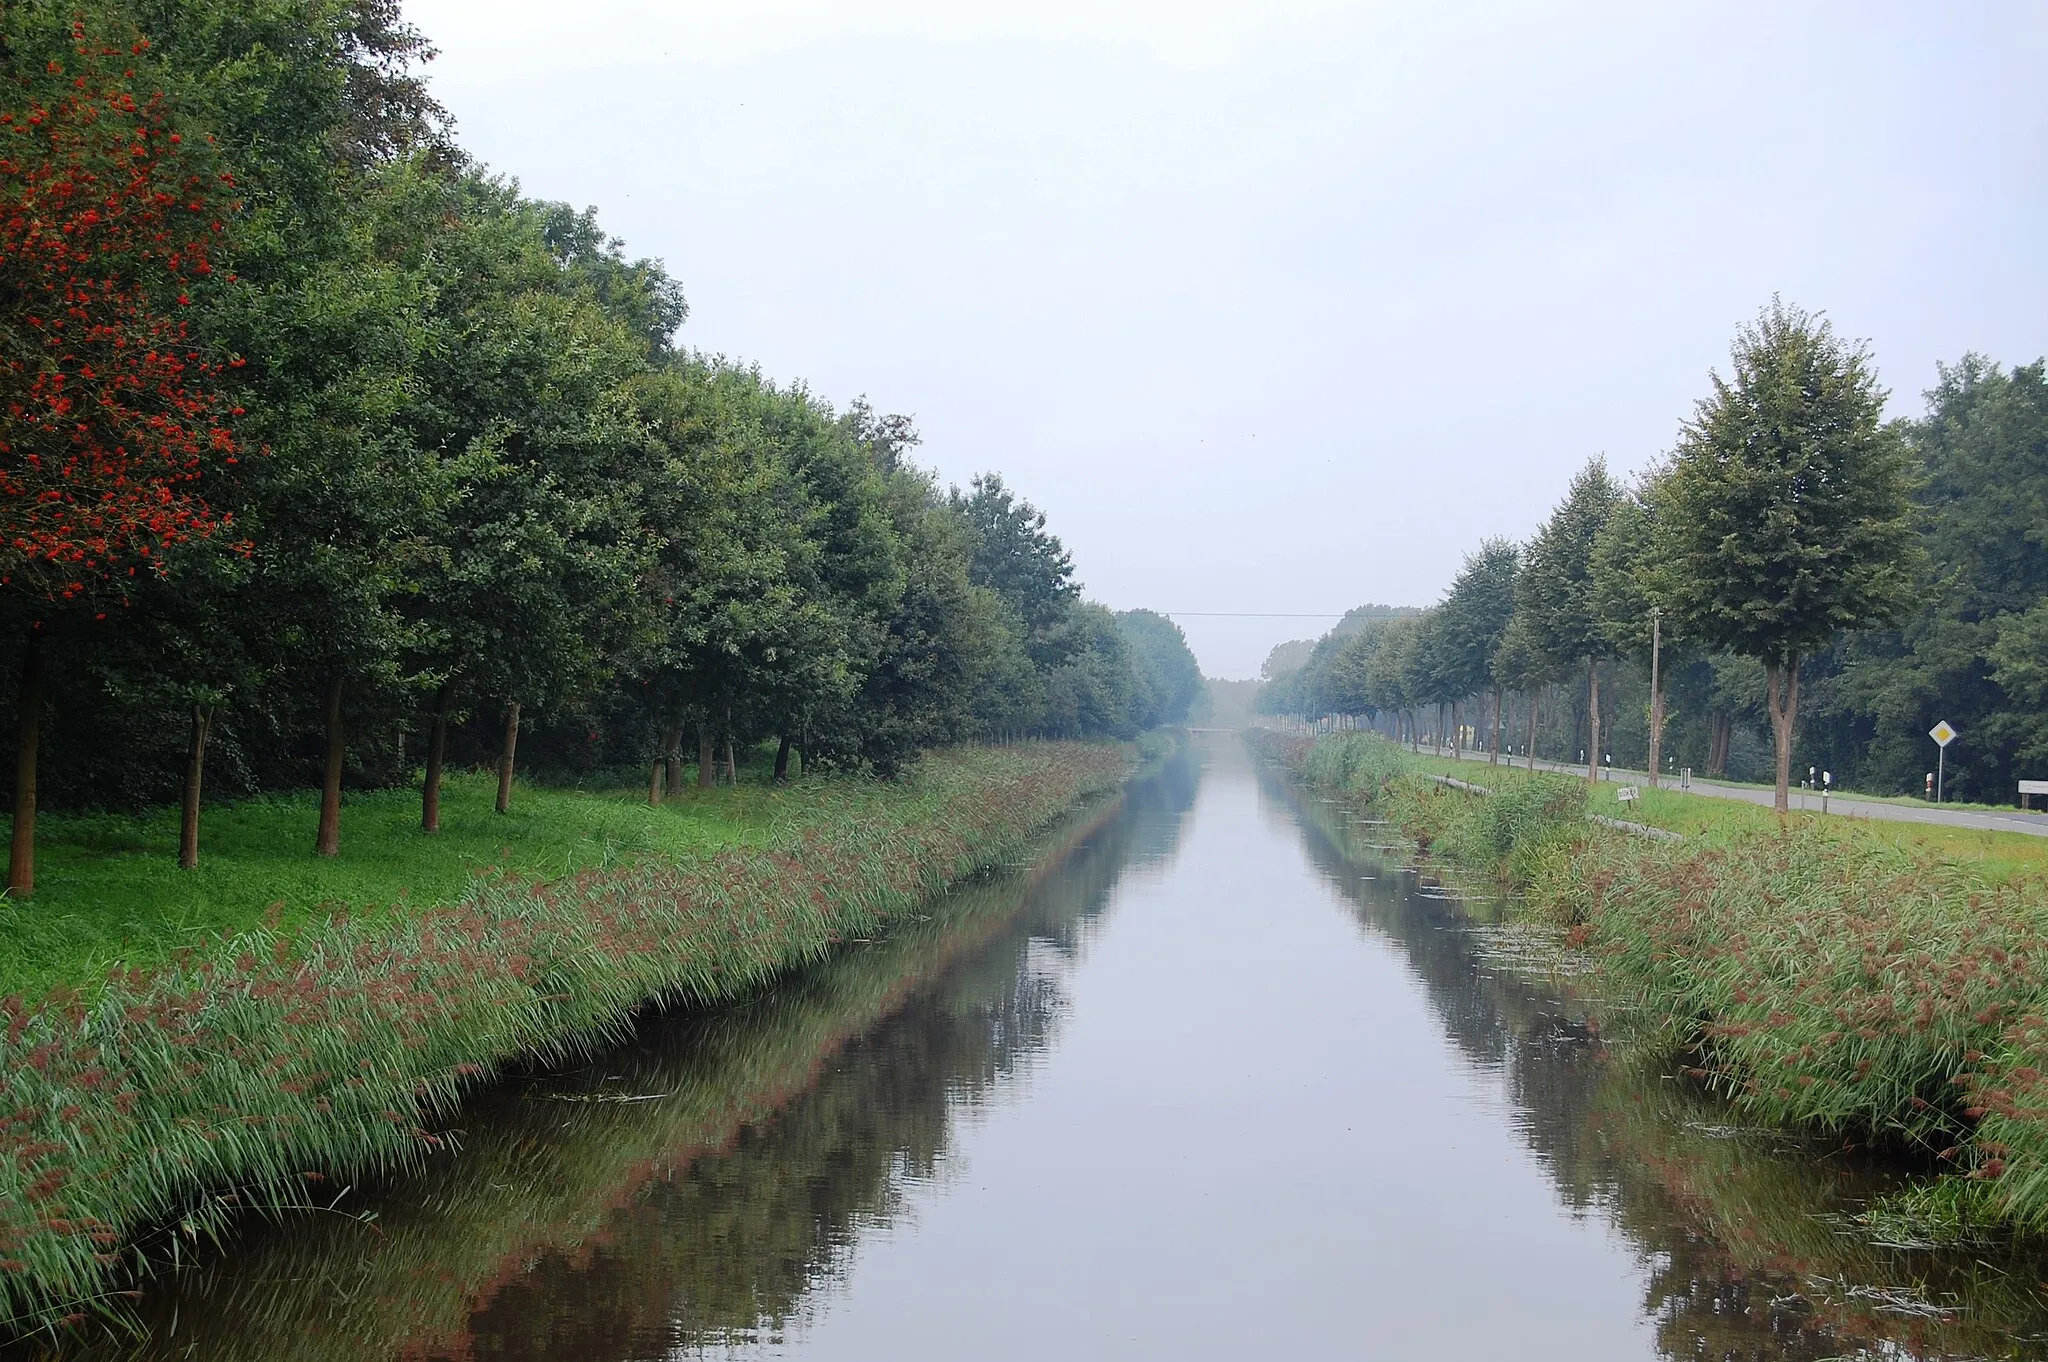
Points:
(270, 1061)
(556, 1167)
(1821, 977)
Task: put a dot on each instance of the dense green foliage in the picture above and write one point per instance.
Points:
(329, 1049)
(1165, 665)
(1782, 520)
(1863, 578)
(476, 505)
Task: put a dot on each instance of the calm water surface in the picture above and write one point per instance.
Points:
(1220, 1082)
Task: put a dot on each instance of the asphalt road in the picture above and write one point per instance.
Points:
(1847, 806)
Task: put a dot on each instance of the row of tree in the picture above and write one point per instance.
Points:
(1794, 540)
(326, 456)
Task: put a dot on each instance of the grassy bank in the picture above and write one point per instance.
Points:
(1832, 976)
(750, 1101)
(277, 1055)
(109, 889)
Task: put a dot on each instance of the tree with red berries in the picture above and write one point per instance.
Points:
(109, 410)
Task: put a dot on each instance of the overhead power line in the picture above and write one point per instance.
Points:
(1258, 614)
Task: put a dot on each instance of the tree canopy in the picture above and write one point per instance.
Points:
(328, 457)
(1784, 513)
(1819, 578)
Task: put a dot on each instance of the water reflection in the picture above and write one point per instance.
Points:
(1746, 1235)
(694, 1188)
(1157, 1096)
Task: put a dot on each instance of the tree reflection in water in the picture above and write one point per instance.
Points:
(576, 1222)
(1747, 1236)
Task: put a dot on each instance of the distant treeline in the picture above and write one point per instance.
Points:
(326, 456)
(1918, 549)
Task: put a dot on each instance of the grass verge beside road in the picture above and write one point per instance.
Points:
(275, 1057)
(1844, 978)
(1991, 853)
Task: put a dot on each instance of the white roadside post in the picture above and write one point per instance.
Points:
(1943, 735)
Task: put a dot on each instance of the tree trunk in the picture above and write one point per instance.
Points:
(1457, 729)
(732, 768)
(672, 751)
(437, 752)
(327, 842)
(195, 771)
(1719, 729)
(1529, 757)
(782, 759)
(506, 757)
(1781, 691)
(1593, 718)
(654, 782)
(1499, 718)
(28, 730)
(707, 758)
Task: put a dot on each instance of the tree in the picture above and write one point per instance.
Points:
(1094, 689)
(1390, 674)
(1555, 592)
(944, 638)
(1520, 664)
(1629, 596)
(1983, 497)
(2020, 667)
(1172, 678)
(109, 405)
(538, 553)
(1473, 618)
(1785, 515)
(1015, 557)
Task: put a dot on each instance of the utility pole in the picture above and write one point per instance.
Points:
(1656, 691)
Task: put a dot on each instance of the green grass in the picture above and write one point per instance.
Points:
(1996, 855)
(108, 886)
(1632, 776)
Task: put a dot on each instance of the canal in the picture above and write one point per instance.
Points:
(1217, 1078)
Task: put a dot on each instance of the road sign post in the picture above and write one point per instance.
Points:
(1943, 735)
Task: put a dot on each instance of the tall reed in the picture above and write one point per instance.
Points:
(1819, 977)
(272, 1058)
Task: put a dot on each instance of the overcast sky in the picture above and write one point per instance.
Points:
(1283, 306)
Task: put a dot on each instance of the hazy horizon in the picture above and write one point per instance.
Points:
(1283, 309)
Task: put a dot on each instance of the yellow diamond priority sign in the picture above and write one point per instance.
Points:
(1942, 733)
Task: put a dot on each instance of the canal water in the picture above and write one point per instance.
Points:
(1218, 1078)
